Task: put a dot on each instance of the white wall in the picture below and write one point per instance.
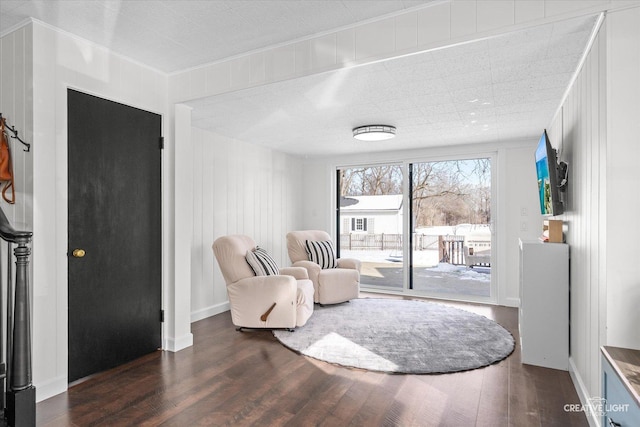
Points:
(514, 174)
(238, 188)
(579, 135)
(61, 61)
(16, 94)
(597, 133)
(623, 178)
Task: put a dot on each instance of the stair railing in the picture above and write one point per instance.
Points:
(18, 395)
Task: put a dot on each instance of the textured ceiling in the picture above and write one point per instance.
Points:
(495, 90)
(499, 89)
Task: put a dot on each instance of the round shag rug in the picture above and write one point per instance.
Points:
(400, 336)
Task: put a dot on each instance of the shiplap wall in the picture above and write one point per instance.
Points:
(597, 133)
(238, 188)
(623, 178)
(16, 96)
(579, 135)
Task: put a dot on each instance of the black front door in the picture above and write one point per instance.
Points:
(115, 225)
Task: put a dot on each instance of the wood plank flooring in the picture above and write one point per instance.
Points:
(231, 378)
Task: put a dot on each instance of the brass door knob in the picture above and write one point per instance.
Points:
(78, 253)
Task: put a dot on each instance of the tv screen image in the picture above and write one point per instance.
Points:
(547, 172)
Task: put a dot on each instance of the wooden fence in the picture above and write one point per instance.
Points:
(385, 241)
(450, 248)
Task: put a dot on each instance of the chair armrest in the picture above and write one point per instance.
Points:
(262, 288)
(351, 263)
(299, 273)
(312, 268)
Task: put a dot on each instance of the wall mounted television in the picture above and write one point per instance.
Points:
(552, 177)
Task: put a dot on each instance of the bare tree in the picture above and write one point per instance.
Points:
(443, 193)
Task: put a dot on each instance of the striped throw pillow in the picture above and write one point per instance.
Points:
(262, 263)
(322, 253)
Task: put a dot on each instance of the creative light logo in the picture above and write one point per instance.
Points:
(597, 407)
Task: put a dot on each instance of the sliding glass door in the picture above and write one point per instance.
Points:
(451, 228)
(370, 222)
(438, 244)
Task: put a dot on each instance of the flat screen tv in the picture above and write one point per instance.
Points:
(550, 183)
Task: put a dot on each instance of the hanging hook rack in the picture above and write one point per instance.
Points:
(13, 130)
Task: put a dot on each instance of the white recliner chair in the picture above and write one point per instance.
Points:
(276, 301)
(331, 285)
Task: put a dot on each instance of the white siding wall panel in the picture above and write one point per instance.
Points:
(597, 132)
(16, 95)
(493, 14)
(528, 10)
(623, 179)
(238, 189)
(578, 133)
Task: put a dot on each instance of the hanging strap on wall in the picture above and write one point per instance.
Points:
(6, 166)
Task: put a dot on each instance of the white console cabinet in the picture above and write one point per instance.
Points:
(544, 304)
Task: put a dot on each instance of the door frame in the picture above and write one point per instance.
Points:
(159, 186)
(63, 212)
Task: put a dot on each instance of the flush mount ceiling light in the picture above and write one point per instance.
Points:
(374, 132)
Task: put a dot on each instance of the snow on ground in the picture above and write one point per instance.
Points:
(425, 264)
(426, 258)
(462, 272)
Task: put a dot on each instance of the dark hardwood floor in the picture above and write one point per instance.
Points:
(248, 378)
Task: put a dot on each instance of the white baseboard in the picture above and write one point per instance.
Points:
(582, 391)
(177, 344)
(50, 388)
(209, 311)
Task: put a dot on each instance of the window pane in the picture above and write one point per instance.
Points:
(451, 217)
(370, 225)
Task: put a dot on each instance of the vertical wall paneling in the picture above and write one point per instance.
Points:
(16, 105)
(241, 189)
(623, 180)
(492, 14)
(576, 134)
(463, 18)
(597, 132)
(16, 95)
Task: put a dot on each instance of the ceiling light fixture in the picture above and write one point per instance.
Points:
(374, 132)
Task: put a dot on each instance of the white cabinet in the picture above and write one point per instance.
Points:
(544, 304)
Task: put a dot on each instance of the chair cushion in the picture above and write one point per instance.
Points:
(261, 262)
(322, 253)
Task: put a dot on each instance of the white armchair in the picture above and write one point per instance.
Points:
(276, 301)
(331, 285)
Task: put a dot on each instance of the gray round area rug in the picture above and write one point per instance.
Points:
(400, 336)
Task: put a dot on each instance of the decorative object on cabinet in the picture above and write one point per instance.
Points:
(552, 231)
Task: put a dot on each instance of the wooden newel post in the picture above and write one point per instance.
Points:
(21, 396)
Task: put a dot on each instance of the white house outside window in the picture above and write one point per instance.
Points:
(358, 224)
